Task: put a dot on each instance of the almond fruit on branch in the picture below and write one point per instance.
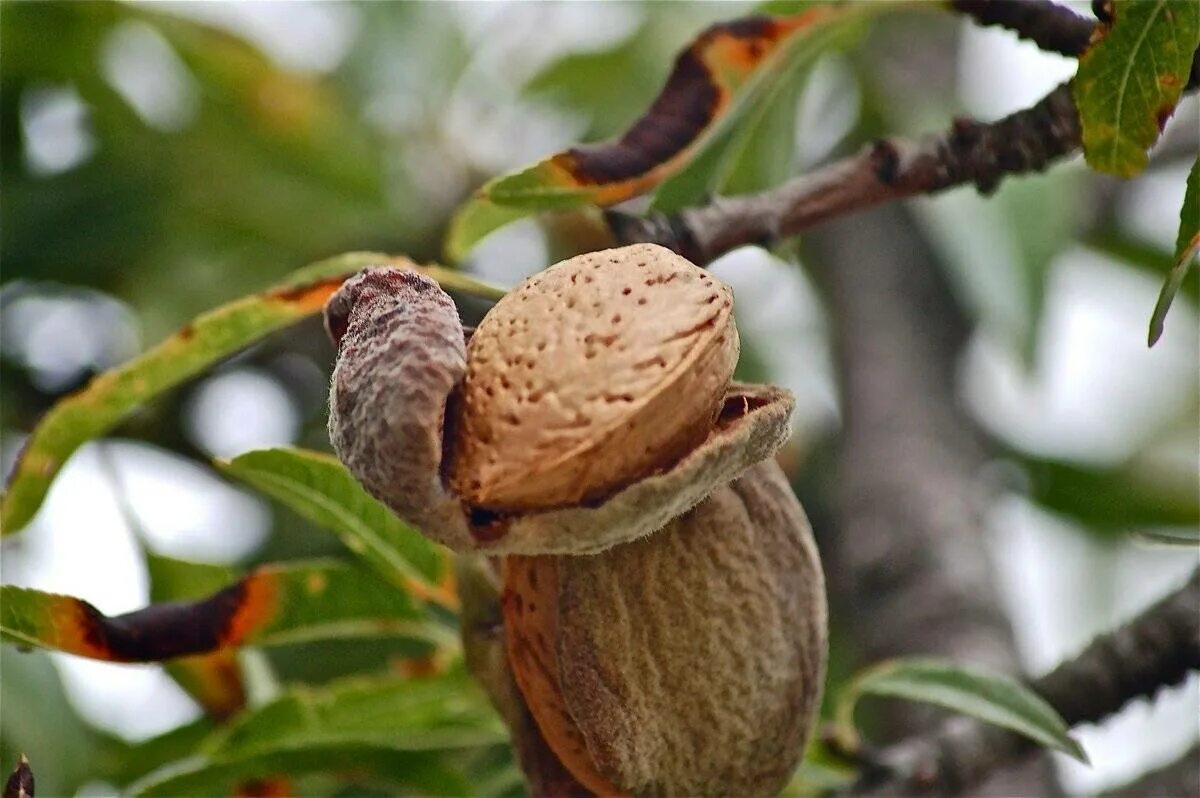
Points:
(656, 625)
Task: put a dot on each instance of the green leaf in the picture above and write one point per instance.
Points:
(1188, 538)
(991, 698)
(389, 764)
(1143, 255)
(1129, 80)
(475, 221)
(273, 605)
(142, 757)
(405, 734)
(443, 711)
(173, 580)
(1187, 246)
(320, 488)
(1113, 499)
(208, 339)
(38, 719)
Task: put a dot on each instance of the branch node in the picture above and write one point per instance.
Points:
(885, 161)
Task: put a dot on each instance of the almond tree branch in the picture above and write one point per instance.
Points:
(1155, 650)
(970, 152)
(1054, 28)
(890, 169)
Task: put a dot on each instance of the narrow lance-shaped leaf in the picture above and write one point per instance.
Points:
(991, 698)
(319, 488)
(272, 605)
(214, 679)
(389, 765)
(209, 338)
(1187, 538)
(1187, 246)
(1130, 79)
(443, 711)
(1112, 498)
(402, 734)
(703, 85)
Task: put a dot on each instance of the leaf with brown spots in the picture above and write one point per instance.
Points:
(709, 78)
(271, 605)
(214, 680)
(207, 340)
(1130, 78)
(1187, 246)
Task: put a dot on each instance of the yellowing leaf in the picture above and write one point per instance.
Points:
(709, 77)
(271, 605)
(208, 339)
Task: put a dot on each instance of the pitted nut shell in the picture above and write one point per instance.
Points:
(599, 370)
(686, 663)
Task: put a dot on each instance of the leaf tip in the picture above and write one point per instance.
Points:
(20, 783)
(1075, 751)
(1156, 329)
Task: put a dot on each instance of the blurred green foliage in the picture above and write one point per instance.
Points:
(273, 167)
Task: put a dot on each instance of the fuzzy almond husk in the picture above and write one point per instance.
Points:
(401, 355)
(688, 663)
(589, 375)
(486, 658)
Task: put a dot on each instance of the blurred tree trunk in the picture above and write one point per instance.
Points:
(907, 560)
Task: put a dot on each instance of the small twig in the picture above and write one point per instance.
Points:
(1054, 28)
(1155, 650)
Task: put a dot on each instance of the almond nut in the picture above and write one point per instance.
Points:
(392, 403)
(589, 375)
(663, 615)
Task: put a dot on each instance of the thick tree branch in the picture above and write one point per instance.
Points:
(890, 169)
(1155, 650)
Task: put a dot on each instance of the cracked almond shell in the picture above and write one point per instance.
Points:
(401, 359)
(589, 375)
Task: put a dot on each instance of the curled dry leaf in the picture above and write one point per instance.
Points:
(592, 413)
